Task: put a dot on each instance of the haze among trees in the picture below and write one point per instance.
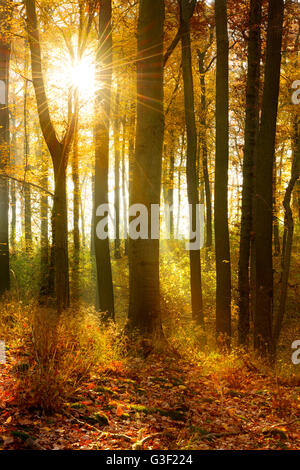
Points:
(149, 211)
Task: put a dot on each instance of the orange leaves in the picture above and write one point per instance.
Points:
(120, 410)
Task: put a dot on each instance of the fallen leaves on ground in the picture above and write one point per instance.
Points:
(159, 403)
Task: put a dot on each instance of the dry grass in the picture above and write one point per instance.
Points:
(54, 355)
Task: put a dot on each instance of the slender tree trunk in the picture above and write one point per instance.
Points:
(93, 219)
(76, 209)
(124, 186)
(179, 184)
(76, 193)
(117, 175)
(4, 159)
(145, 186)
(298, 198)
(170, 193)
(288, 236)
(131, 154)
(59, 151)
(276, 236)
(186, 12)
(223, 269)
(263, 214)
(60, 237)
(44, 211)
(82, 224)
(251, 129)
(105, 294)
(27, 189)
(13, 204)
(203, 141)
(13, 186)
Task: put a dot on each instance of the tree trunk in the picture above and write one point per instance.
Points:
(170, 192)
(124, 187)
(276, 237)
(44, 210)
(4, 159)
(186, 12)
(223, 269)
(105, 294)
(13, 186)
(179, 184)
(60, 238)
(251, 129)
(263, 214)
(117, 174)
(76, 208)
(145, 186)
(27, 189)
(203, 142)
(59, 151)
(288, 236)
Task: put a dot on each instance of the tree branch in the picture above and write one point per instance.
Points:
(36, 186)
(38, 80)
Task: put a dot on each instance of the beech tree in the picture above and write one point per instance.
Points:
(4, 147)
(263, 209)
(105, 294)
(251, 129)
(223, 270)
(186, 11)
(59, 151)
(145, 185)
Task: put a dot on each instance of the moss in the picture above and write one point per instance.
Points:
(176, 415)
(101, 418)
(21, 435)
(140, 408)
(105, 390)
(77, 405)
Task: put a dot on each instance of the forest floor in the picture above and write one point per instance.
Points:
(102, 397)
(159, 403)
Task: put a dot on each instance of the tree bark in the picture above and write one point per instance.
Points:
(276, 238)
(145, 186)
(105, 293)
(179, 183)
(13, 186)
(27, 189)
(124, 189)
(203, 142)
(4, 158)
(44, 211)
(251, 129)
(223, 269)
(288, 235)
(76, 205)
(263, 213)
(59, 151)
(117, 252)
(186, 12)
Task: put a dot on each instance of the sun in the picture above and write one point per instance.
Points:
(82, 76)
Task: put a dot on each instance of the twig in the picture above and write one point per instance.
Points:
(138, 445)
(223, 434)
(117, 436)
(36, 186)
(282, 424)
